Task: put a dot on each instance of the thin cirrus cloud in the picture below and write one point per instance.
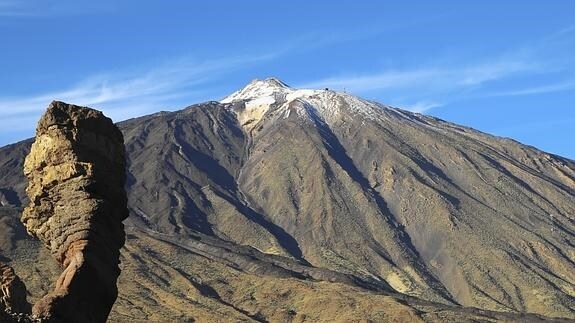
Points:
(436, 79)
(542, 89)
(128, 94)
(422, 106)
(427, 87)
(124, 95)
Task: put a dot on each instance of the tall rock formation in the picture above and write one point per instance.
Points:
(77, 204)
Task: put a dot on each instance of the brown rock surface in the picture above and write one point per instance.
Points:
(76, 177)
(12, 292)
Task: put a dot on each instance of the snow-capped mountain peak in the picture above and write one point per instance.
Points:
(259, 97)
(258, 89)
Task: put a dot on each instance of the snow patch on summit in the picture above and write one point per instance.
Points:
(257, 89)
(260, 97)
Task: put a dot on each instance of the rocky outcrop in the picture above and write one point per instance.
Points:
(12, 292)
(76, 180)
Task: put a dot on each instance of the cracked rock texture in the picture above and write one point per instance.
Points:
(12, 292)
(75, 171)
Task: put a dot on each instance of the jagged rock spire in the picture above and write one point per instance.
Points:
(76, 174)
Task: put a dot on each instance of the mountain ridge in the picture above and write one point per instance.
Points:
(410, 203)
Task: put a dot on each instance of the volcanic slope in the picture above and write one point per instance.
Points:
(275, 188)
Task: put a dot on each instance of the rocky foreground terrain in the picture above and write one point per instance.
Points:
(277, 204)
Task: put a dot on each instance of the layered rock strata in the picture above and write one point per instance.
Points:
(12, 292)
(76, 174)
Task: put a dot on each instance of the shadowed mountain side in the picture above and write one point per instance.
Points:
(13, 184)
(198, 185)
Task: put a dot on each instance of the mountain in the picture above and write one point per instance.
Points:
(279, 204)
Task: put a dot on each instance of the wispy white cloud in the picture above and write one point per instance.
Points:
(428, 87)
(123, 95)
(442, 82)
(422, 106)
(540, 125)
(433, 79)
(542, 89)
(127, 94)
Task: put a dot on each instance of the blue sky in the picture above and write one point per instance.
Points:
(504, 67)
